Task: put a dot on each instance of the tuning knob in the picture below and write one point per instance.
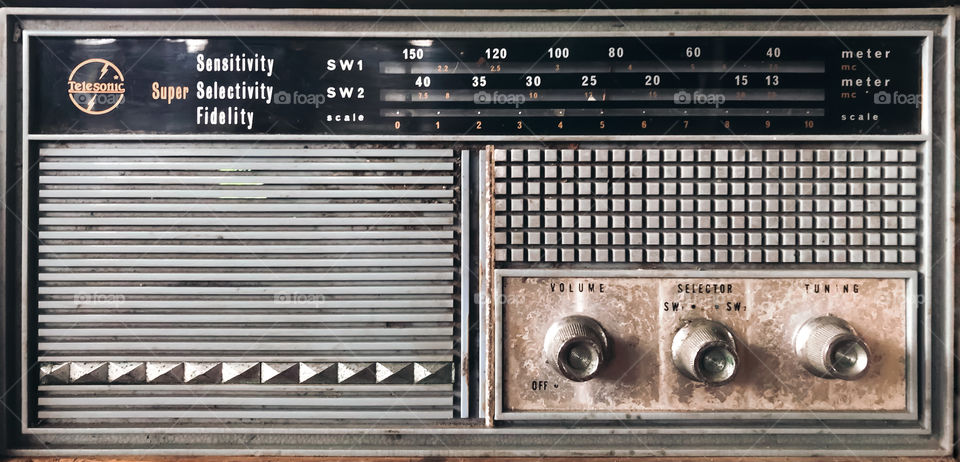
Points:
(828, 347)
(705, 351)
(577, 347)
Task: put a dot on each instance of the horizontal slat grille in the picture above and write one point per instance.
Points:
(259, 259)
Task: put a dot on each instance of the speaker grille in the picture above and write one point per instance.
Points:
(185, 283)
(836, 206)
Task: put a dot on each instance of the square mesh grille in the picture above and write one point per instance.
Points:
(707, 206)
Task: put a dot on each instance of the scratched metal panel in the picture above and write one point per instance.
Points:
(207, 284)
(931, 434)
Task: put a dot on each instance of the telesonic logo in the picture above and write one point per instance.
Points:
(96, 86)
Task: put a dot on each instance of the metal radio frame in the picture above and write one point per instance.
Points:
(480, 431)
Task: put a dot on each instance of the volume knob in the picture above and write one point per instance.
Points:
(828, 347)
(705, 351)
(577, 347)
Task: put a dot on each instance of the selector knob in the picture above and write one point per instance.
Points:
(577, 347)
(705, 351)
(828, 347)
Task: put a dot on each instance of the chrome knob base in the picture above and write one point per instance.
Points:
(577, 347)
(705, 351)
(829, 347)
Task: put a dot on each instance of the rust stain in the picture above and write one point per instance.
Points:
(486, 278)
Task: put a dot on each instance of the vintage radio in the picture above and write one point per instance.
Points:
(438, 232)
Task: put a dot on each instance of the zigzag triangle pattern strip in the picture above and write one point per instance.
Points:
(268, 373)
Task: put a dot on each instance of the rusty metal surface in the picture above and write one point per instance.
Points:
(472, 459)
(641, 376)
(930, 434)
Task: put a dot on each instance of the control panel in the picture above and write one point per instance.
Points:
(627, 344)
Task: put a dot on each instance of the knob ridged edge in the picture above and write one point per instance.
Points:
(567, 332)
(694, 340)
(818, 340)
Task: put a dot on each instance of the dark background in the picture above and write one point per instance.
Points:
(301, 64)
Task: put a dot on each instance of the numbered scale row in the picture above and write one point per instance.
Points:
(426, 75)
(536, 126)
(426, 49)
